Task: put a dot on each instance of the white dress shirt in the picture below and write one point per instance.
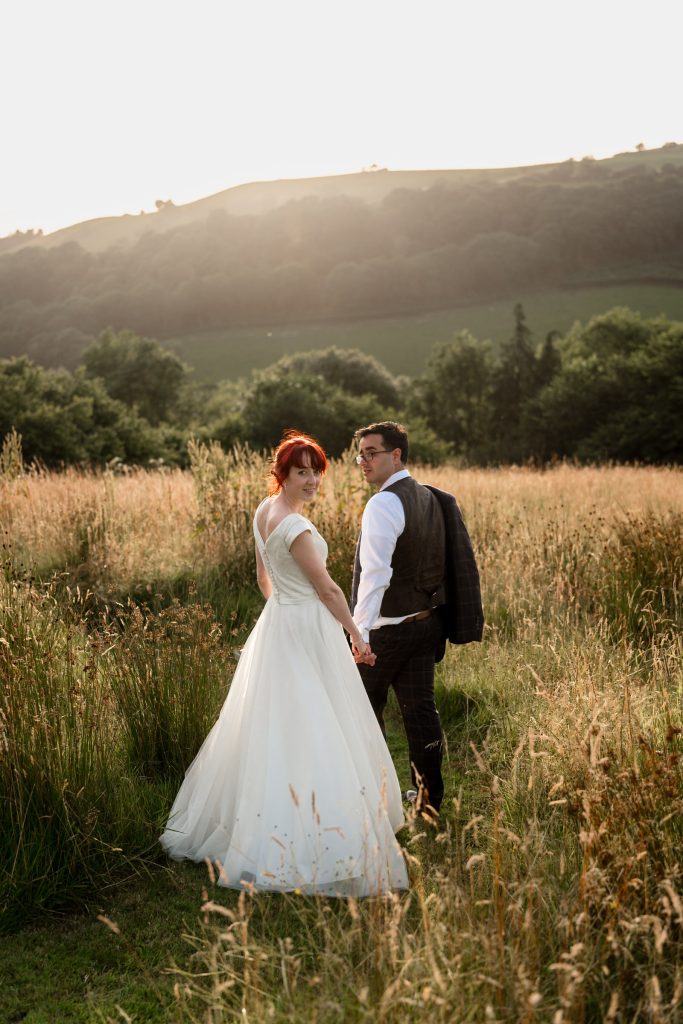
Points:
(382, 524)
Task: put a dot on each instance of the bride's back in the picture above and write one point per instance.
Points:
(290, 583)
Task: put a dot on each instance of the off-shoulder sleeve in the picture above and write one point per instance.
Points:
(293, 526)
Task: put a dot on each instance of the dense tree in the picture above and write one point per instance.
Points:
(454, 394)
(618, 394)
(137, 371)
(65, 418)
(275, 403)
(499, 261)
(332, 415)
(351, 370)
(328, 393)
(611, 390)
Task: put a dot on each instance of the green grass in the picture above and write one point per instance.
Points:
(403, 343)
(75, 969)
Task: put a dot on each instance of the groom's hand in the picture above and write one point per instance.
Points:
(366, 657)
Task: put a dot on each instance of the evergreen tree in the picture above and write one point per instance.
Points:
(515, 382)
(548, 360)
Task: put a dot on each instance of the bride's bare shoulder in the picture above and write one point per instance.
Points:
(269, 515)
(261, 516)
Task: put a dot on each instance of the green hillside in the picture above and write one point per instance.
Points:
(403, 343)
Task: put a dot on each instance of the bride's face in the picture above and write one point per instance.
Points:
(302, 482)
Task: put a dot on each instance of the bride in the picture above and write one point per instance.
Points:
(294, 787)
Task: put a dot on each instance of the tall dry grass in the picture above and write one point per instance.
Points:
(553, 891)
(64, 799)
(548, 538)
(107, 530)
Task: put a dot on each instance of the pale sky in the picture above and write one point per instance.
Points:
(106, 107)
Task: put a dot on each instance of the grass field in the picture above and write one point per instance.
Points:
(403, 343)
(553, 890)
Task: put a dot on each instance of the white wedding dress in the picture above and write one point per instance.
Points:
(294, 787)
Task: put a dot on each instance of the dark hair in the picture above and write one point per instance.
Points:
(290, 452)
(393, 434)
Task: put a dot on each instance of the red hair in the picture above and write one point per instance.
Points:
(290, 452)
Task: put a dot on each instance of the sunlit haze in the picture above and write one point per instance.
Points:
(114, 106)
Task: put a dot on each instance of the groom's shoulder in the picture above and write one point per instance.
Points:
(382, 499)
(384, 506)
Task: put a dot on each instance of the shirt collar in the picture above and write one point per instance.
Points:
(401, 474)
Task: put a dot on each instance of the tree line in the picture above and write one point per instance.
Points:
(323, 258)
(611, 389)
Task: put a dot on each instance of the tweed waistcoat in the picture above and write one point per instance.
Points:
(419, 559)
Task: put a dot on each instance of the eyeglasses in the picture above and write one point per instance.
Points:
(369, 456)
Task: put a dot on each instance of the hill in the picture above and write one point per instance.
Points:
(260, 197)
(375, 246)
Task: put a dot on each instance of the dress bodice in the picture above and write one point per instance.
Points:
(290, 584)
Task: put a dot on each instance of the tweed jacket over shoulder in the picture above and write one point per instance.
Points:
(463, 612)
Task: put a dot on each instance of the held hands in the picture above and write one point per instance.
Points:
(362, 652)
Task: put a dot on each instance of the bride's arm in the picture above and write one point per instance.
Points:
(262, 577)
(332, 596)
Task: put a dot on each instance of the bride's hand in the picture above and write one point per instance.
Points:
(362, 651)
(358, 645)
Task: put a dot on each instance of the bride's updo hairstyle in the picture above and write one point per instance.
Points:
(295, 449)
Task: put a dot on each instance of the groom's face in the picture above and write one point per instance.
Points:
(379, 463)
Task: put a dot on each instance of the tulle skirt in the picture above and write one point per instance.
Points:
(294, 787)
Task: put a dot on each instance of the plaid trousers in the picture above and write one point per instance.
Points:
(405, 661)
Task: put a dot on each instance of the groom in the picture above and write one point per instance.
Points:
(415, 584)
(398, 582)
